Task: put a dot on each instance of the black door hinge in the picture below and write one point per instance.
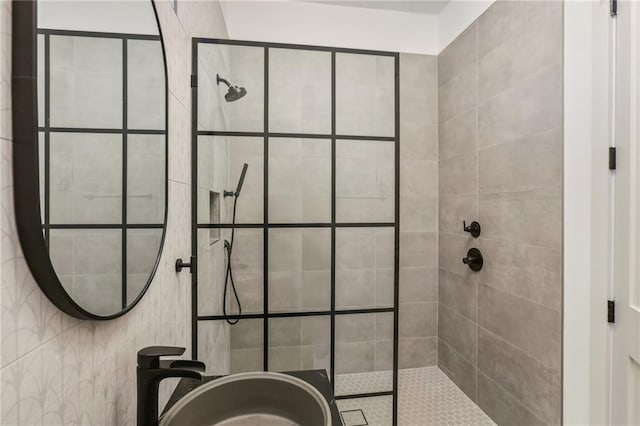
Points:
(611, 311)
(194, 80)
(612, 158)
(614, 7)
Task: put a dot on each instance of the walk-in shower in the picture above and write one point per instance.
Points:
(314, 238)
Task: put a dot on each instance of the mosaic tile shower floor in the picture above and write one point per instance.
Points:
(426, 397)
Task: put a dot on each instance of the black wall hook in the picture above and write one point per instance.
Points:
(473, 228)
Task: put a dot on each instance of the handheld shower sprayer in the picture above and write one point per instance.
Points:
(228, 248)
(240, 182)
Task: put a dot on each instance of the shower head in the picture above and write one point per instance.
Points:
(234, 93)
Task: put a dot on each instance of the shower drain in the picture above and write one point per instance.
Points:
(353, 418)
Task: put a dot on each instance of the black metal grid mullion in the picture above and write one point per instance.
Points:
(103, 226)
(265, 218)
(237, 133)
(98, 130)
(297, 314)
(365, 395)
(298, 225)
(231, 42)
(125, 79)
(75, 33)
(47, 138)
(396, 271)
(333, 221)
(194, 199)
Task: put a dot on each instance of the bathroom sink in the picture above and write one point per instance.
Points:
(251, 399)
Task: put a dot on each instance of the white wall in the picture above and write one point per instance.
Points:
(328, 25)
(586, 214)
(55, 369)
(298, 22)
(133, 16)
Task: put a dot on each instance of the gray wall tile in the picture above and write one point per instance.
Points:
(419, 352)
(460, 53)
(458, 175)
(517, 57)
(533, 162)
(419, 178)
(451, 249)
(533, 273)
(418, 319)
(354, 357)
(243, 360)
(285, 332)
(418, 139)
(418, 213)
(502, 407)
(454, 209)
(418, 249)
(505, 117)
(459, 293)
(458, 95)
(506, 20)
(419, 71)
(459, 371)
(531, 327)
(419, 284)
(459, 333)
(532, 217)
(537, 387)
(458, 135)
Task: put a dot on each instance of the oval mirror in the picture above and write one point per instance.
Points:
(90, 163)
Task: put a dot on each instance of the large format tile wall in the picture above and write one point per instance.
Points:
(500, 162)
(300, 191)
(55, 369)
(418, 210)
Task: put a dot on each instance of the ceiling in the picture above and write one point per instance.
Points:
(414, 6)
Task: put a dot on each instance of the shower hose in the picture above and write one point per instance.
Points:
(228, 247)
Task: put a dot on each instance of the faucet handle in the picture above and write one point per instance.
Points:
(149, 357)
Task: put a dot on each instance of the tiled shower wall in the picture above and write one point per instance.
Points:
(418, 210)
(500, 162)
(58, 370)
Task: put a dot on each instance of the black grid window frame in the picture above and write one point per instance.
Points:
(333, 225)
(46, 130)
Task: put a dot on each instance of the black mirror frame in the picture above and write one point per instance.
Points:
(24, 89)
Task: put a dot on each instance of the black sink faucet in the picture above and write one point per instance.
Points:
(151, 371)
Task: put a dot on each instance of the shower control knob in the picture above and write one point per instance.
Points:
(474, 259)
(473, 228)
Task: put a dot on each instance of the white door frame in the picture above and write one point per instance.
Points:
(625, 373)
(587, 216)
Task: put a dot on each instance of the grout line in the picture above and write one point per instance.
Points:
(521, 139)
(517, 401)
(520, 350)
(477, 141)
(503, 240)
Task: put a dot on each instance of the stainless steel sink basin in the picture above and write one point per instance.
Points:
(251, 399)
